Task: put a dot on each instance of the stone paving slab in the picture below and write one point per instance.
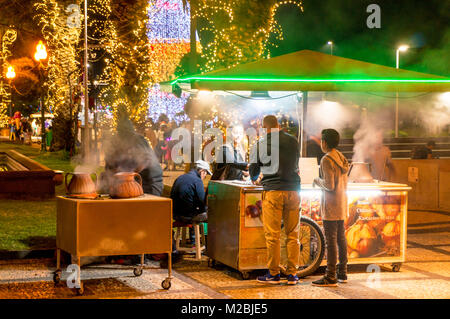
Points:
(426, 274)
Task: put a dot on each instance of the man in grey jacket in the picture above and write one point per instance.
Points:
(333, 181)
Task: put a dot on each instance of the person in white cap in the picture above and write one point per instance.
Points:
(188, 194)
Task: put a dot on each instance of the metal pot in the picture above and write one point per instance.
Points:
(80, 183)
(360, 173)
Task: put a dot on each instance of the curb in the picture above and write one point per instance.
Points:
(27, 254)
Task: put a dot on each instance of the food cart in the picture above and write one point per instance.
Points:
(108, 227)
(375, 228)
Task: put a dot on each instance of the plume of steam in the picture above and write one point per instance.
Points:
(367, 139)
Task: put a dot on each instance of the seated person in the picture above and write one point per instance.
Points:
(188, 194)
(423, 152)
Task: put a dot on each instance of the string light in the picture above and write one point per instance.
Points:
(169, 37)
(63, 44)
(232, 43)
(8, 39)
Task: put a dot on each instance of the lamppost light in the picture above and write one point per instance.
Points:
(10, 74)
(403, 48)
(41, 52)
(330, 42)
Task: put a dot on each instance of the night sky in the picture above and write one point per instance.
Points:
(423, 25)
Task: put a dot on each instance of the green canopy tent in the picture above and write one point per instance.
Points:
(307, 70)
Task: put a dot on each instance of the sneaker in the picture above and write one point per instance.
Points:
(268, 278)
(342, 278)
(325, 282)
(292, 280)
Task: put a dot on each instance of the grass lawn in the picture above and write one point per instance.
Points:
(28, 225)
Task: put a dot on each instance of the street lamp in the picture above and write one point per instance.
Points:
(401, 48)
(40, 55)
(10, 74)
(330, 43)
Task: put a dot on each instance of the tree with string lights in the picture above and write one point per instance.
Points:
(63, 43)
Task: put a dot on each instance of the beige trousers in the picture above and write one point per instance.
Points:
(278, 206)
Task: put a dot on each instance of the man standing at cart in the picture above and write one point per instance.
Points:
(280, 198)
(333, 182)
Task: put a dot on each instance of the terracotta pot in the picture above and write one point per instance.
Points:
(125, 185)
(81, 183)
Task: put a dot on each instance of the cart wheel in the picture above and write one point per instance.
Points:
(396, 267)
(57, 277)
(166, 284)
(245, 275)
(211, 263)
(137, 271)
(80, 291)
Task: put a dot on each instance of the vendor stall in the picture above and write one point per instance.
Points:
(375, 228)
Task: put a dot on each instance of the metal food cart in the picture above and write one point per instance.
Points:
(108, 227)
(375, 229)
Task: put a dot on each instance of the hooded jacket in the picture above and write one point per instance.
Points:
(333, 181)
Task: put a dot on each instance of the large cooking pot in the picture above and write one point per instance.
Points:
(360, 173)
(124, 185)
(80, 184)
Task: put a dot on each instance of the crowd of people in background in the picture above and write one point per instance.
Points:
(159, 135)
(22, 129)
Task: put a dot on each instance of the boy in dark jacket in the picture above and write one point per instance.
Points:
(333, 181)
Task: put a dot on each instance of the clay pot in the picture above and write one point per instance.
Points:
(125, 185)
(81, 183)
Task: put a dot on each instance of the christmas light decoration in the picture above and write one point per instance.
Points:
(169, 36)
(243, 79)
(234, 40)
(7, 39)
(121, 31)
(143, 41)
(62, 42)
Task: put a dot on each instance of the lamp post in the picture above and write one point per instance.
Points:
(86, 135)
(10, 74)
(330, 43)
(39, 56)
(401, 48)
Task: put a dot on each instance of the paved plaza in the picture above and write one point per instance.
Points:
(426, 274)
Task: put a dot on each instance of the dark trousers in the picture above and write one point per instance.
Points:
(336, 245)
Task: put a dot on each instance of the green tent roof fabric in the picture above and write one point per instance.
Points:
(314, 71)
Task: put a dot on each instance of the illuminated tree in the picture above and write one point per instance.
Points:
(63, 43)
(122, 29)
(7, 37)
(239, 30)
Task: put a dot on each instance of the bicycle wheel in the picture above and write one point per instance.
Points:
(312, 247)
